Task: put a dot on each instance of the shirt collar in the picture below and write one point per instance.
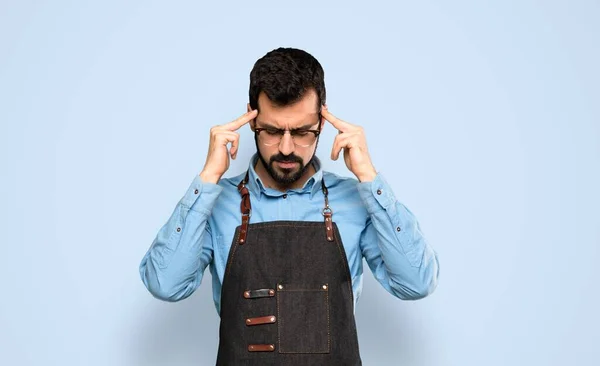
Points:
(257, 187)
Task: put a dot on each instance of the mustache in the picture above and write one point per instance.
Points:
(285, 158)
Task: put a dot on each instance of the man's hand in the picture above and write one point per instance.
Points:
(217, 160)
(352, 139)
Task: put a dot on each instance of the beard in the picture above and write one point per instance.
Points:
(285, 176)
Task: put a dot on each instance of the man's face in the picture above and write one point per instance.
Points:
(286, 162)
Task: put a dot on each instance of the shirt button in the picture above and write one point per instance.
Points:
(379, 191)
(178, 229)
(284, 196)
(196, 191)
(398, 228)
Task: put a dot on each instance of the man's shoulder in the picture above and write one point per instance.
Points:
(345, 196)
(231, 182)
(339, 182)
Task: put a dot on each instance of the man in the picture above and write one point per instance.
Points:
(284, 239)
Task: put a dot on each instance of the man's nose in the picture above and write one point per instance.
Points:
(286, 145)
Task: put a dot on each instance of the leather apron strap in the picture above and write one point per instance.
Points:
(246, 210)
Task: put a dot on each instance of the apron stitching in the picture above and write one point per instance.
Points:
(345, 265)
(284, 225)
(232, 256)
(328, 330)
(279, 324)
(303, 290)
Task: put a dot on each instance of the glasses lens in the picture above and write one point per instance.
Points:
(273, 137)
(270, 137)
(304, 138)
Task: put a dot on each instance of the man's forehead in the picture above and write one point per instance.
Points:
(300, 114)
(288, 120)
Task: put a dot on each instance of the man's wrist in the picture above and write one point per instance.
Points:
(367, 177)
(209, 178)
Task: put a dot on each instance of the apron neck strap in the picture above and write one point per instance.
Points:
(246, 210)
(327, 212)
(245, 207)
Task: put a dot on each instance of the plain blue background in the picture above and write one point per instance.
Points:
(483, 116)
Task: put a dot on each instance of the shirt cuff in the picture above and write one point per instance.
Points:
(209, 192)
(377, 195)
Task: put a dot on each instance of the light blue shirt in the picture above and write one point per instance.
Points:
(372, 223)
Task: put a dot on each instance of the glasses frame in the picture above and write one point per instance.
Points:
(282, 132)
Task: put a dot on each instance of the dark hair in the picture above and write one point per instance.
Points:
(285, 75)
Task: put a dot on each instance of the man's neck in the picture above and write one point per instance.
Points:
(269, 182)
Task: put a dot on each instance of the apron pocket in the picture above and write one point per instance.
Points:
(303, 318)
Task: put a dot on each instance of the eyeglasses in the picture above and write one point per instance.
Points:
(272, 136)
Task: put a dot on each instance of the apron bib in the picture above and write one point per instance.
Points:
(287, 295)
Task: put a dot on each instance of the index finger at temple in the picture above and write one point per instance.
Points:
(242, 120)
(336, 122)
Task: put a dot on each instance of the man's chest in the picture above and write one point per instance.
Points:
(226, 217)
